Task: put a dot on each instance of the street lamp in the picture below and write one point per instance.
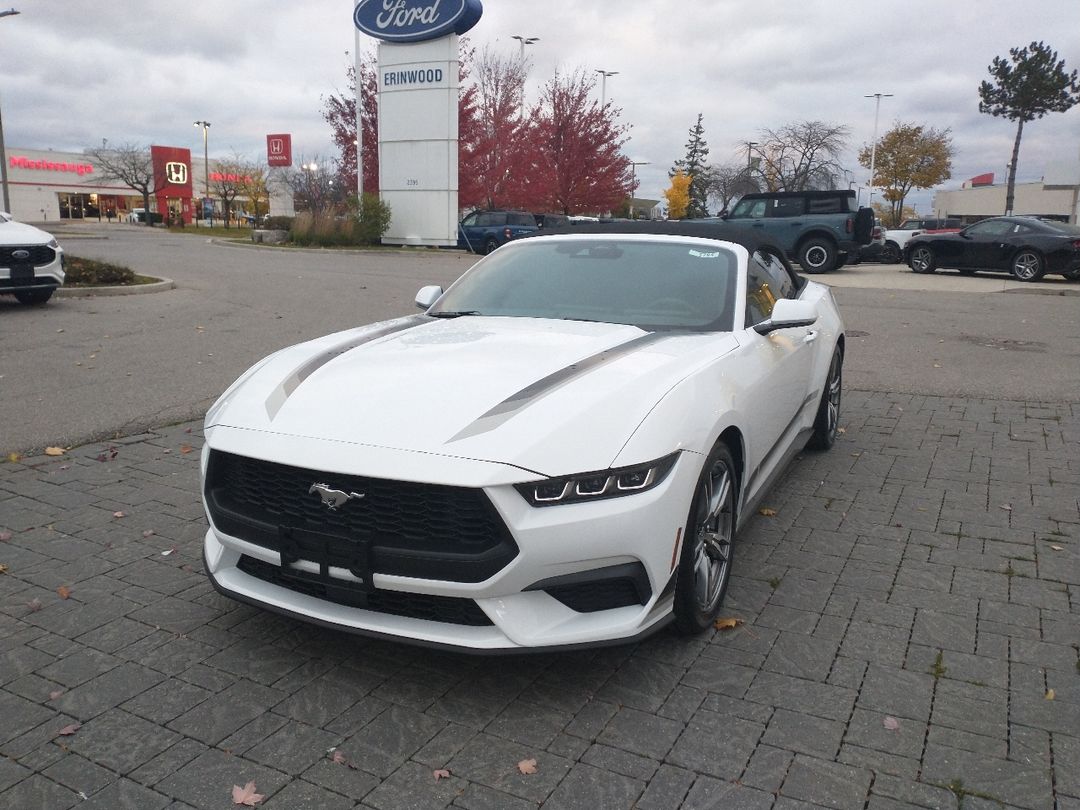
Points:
(603, 84)
(873, 144)
(3, 154)
(523, 42)
(359, 100)
(206, 171)
(633, 183)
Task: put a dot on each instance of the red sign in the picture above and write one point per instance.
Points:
(21, 162)
(172, 170)
(279, 150)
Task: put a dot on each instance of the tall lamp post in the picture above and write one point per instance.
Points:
(523, 41)
(603, 84)
(359, 115)
(206, 172)
(873, 144)
(633, 183)
(3, 153)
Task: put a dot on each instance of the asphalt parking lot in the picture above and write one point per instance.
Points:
(909, 601)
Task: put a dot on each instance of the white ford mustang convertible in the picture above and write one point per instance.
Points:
(558, 451)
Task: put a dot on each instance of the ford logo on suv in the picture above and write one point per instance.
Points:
(415, 20)
(20, 255)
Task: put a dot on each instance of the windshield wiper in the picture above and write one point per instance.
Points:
(453, 314)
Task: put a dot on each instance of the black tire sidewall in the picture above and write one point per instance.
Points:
(825, 245)
(822, 438)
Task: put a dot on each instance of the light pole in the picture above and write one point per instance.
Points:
(206, 171)
(603, 84)
(359, 115)
(873, 144)
(523, 41)
(633, 183)
(3, 153)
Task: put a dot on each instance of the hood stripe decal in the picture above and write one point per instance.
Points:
(279, 395)
(533, 392)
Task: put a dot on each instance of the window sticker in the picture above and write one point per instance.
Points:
(705, 255)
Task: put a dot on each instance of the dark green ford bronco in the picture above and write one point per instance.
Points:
(816, 228)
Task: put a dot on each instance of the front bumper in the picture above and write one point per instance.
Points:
(25, 277)
(569, 559)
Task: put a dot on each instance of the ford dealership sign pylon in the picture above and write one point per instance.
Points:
(415, 20)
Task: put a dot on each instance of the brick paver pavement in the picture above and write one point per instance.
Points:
(910, 639)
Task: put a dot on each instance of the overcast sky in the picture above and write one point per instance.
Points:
(73, 73)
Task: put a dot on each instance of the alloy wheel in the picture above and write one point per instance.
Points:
(712, 552)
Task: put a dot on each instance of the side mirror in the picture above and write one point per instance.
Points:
(428, 296)
(788, 313)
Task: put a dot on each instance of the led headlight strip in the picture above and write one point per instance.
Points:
(591, 486)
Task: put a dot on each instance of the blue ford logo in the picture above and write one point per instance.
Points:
(20, 254)
(416, 20)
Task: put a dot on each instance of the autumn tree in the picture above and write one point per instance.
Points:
(496, 152)
(314, 187)
(1030, 84)
(888, 214)
(255, 186)
(678, 195)
(909, 156)
(131, 165)
(577, 149)
(695, 167)
(339, 111)
(227, 184)
(801, 156)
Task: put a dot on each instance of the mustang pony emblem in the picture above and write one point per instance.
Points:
(333, 498)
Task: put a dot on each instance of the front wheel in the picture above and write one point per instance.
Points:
(705, 562)
(490, 244)
(817, 256)
(827, 422)
(1028, 266)
(1072, 275)
(922, 260)
(33, 296)
(890, 253)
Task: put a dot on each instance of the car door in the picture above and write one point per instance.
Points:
(783, 361)
(466, 231)
(985, 244)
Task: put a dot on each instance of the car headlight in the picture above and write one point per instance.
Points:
(53, 243)
(591, 486)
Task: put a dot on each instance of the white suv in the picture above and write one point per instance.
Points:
(896, 238)
(31, 262)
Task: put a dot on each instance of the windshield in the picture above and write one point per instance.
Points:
(652, 284)
(1060, 227)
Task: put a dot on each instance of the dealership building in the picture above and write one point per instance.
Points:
(1056, 196)
(46, 186)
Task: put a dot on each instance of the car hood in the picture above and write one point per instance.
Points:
(550, 397)
(18, 233)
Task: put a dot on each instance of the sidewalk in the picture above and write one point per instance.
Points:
(911, 624)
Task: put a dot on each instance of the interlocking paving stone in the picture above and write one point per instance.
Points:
(900, 589)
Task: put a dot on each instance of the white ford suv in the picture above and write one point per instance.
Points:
(31, 262)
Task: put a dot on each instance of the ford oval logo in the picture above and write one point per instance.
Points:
(416, 20)
(21, 255)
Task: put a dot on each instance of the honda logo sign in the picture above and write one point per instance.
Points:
(176, 173)
(279, 150)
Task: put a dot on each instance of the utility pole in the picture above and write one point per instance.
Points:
(873, 144)
(359, 115)
(3, 153)
(206, 172)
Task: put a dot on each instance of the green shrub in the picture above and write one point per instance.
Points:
(363, 224)
(91, 273)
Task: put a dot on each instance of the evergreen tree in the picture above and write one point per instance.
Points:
(1034, 84)
(695, 167)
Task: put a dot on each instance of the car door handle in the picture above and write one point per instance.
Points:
(810, 337)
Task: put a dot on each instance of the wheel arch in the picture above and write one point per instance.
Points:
(816, 233)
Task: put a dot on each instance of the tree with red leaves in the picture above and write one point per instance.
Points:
(578, 163)
(339, 111)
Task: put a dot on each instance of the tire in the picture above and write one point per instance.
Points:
(817, 255)
(705, 562)
(1072, 275)
(1028, 265)
(490, 245)
(922, 260)
(33, 296)
(827, 421)
(890, 253)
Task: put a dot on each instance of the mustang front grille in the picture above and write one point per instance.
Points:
(397, 527)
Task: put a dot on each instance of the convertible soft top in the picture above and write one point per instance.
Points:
(750, 238)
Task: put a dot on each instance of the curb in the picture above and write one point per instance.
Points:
(396, 250)
(161, 285)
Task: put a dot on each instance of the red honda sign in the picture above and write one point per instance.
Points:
(172, 170)
(279, 150)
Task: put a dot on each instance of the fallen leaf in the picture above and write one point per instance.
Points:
(3, 568)
(148, 533)
(13, 457)
(1050, 694)
(185, 449)
(1006, 506)
(64, 591)
(54, 451)
(441, 773)
(101, 457)
(1055, 548)
(68, 730)
(168, 551)
(767, 512)
(841, 431)
(188, 430)
(728, 623)
(65, 466)
(246, 795)
(119, 514)
(55, 693)
(5, 536)
(891, 723)
(34, 605)
(527, 766)
(338, 758)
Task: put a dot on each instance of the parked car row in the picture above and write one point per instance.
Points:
(483, 231)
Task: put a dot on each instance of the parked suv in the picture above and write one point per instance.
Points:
(31, 262)
(896, 239)
(483, 231)
(817, 228)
